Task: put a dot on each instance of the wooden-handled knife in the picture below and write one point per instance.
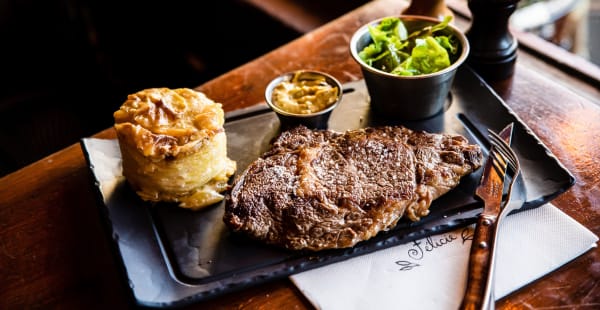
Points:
(479, 293)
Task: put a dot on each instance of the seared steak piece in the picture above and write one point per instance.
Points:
(322, 189)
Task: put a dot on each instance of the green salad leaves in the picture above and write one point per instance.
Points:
(395, 51)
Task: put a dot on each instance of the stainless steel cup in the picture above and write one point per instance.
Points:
(408, 97)
(316, 120)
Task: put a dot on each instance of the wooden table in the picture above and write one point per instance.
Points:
(54, 251)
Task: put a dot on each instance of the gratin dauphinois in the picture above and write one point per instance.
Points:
(174, 147)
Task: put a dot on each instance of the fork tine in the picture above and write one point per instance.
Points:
(505, 150)
(497, 141)
(506, 155)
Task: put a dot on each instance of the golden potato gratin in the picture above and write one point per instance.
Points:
(173, 146)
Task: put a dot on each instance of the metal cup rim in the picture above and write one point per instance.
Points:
(364, 29)
(288, 75)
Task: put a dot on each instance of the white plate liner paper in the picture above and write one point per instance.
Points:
(431, 273)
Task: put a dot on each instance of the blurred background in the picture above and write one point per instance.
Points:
(570, 24)
(69, 64)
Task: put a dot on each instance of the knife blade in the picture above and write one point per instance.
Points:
(491, 185)
(479, 292)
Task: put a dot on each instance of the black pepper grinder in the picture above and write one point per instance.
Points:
(493, 48)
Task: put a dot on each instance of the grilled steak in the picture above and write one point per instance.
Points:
(322, 189)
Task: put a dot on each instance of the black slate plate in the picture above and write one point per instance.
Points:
(172, 256)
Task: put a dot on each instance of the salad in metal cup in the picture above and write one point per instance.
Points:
(394, 50)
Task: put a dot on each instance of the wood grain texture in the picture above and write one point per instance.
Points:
(481, 265)
(54, 252)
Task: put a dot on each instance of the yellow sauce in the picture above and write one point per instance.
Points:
(304, 95)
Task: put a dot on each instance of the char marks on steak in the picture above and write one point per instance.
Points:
(320, 189)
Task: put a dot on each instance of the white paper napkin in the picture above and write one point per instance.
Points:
(431, 273)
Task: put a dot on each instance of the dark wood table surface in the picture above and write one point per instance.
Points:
(55, 253)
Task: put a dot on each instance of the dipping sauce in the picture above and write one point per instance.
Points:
(304, 94)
